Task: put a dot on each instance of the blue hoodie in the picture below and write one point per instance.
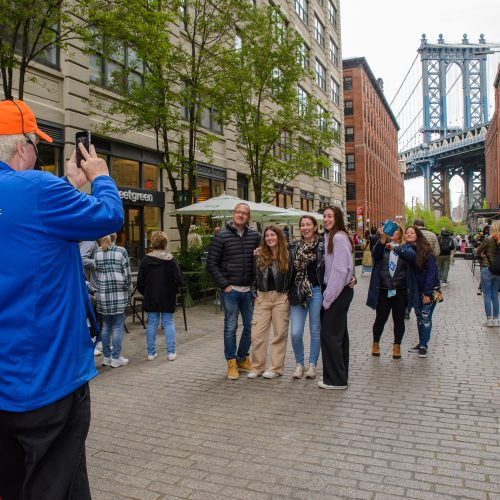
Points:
(45, 347)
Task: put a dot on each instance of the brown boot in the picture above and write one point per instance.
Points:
(375, 349)
(232, 370)
(396, 351)
(245, 365)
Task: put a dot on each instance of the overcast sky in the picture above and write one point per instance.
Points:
(388, 33)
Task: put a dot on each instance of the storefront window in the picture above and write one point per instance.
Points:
(152, 222)
(151, 175)
(126, 172)
(50, 158)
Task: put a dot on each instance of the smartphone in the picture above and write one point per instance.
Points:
(84, 138)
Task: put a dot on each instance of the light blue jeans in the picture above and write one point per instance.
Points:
(298, 316)
(112, 324)
(423, 312)
(167, 321)
(490, 283)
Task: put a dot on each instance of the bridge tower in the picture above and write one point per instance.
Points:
(471, 59)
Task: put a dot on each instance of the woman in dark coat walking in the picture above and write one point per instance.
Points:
(158, 280)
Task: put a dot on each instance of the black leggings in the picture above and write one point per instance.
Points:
(385, 304)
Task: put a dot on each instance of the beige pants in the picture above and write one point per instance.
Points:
(272, 308)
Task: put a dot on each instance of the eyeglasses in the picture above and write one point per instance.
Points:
(241, 212)
(29, 141)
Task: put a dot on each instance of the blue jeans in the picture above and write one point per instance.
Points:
(490, 283)
(298, 316)
(167, 321)
(423, 312)
(112, 324)
(233, 302)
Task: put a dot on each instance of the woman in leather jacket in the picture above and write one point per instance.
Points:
(273, 269)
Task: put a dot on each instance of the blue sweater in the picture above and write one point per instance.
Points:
(45, 346)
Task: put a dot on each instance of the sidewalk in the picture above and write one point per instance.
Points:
(413, 428)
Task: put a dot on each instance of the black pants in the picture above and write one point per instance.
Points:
(335, 340)
(42, 452)
(397, 305)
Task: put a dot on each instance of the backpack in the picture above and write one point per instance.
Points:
(446, 243)
(494, 266)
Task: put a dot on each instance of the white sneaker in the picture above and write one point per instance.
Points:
(311, 371)
(322, 385)
(152, 357)
(121, 361)
(106, 361)
(495, 322)
(488, 323)
(253, 374)
(171, 356)
(444, 283)
(299, 371)
(270, 374)
(97, 352)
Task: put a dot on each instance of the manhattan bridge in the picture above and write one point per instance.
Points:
(443, 109)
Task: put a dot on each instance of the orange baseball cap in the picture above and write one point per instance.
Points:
(16, 117)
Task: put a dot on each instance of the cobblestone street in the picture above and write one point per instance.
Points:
(412, 428)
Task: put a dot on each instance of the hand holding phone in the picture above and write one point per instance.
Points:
(84, 138)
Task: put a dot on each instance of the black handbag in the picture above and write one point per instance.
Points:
(296, 296)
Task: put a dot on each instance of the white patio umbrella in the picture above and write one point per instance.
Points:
(224, 205)
(290, 216)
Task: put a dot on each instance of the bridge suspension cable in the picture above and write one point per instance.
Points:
(404, 79)
(409, 97)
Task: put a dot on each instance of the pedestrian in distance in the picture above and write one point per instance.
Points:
(230, 263)
(47, 354)
(158, 280)
(273, 271)
(113, 295)
(425, 291)
(337, 297)
(446, 246)
(388, 292)
(305, 295)
(490, 282)
(366, 261)
(429, 236)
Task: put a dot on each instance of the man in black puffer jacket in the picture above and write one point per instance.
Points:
(230, 262)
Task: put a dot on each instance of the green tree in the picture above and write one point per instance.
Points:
(180, 81)
(279, 135)
(29, 31)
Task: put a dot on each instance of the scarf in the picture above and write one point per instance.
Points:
(306, 253)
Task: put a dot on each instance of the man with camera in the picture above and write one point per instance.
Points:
(47, 354)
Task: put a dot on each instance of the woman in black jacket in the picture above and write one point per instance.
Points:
(158, 280)
(273, 270)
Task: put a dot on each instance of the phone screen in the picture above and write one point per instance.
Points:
(84, 138)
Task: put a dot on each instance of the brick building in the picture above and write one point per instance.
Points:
(374, 181)
(492, 152)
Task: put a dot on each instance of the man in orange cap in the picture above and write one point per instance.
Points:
(47, 355)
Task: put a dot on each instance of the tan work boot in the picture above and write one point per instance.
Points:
(232, 370)
(396, 351)
(246, 365)
(375, 349)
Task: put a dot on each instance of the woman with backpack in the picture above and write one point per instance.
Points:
(490, 281)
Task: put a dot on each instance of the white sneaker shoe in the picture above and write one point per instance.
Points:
(495, 322)
(322, 385)
(270, 374)
(488, 323)
(172, 356)
(298, 372)
(121, 361)
(152, 357)
(97, 352)
(106, 361)
(311, 371)
(253, 374)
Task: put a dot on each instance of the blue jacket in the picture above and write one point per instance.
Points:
(45, 347)
(408, 255)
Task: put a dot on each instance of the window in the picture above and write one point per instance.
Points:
(281, 148)
(335, 91)
(348, 111)
(277, 81)
(126, 173)
(302, 101)
(336, 128)
(242, 186)
(279, 24)
(283, 197)
(321, 117)
(306, 201)
(319, 32)
(349, 134)
(347, 82)
(324, 201)
(337, 174)
(332, 13)
(334, 52)
(320, 75)
(301, 9)
(303, 55)
(211, 120)
(351, 191)
(325, 173)
(350, 162)
(151, 175)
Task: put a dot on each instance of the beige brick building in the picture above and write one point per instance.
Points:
(63, 94)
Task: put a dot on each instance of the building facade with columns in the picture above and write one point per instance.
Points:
(64, 92)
